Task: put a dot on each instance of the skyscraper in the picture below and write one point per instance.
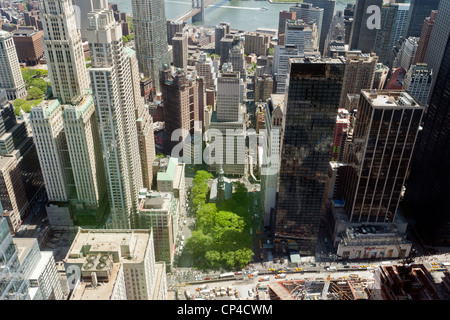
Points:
(229, 115)
(303, 35)
(207, 69)
(409, 52)
(228, 87)
(359, 73)
(393, 22)
(220, 32)
(63, 50)
(424, 39)
(418, 82)
(281, 56)
(180, 50)
(437, 44)
(144, 122)
(257, 43)
(307, 12)
(362, 37)
(328, 13)
(88, 191)
(180, 95)
(310, 118)
(150, 29)
(237, 58)
(379, 154)
(427, 189)
(283, 16)
(16, 288)
(417, 14)
(85, 7)
(26, 273)
(10, 76)
(47, 123)
(112, 87)
(127, 256)
(173, 27)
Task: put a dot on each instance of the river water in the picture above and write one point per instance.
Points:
(241, 14)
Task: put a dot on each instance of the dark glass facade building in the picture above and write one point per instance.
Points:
(328, 14)
(380, 154)
(313, 89)
(428, 188)
(419, 10)
(362, 38)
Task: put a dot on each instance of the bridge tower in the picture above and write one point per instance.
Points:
(199, 17)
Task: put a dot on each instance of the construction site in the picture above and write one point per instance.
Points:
(344, 288)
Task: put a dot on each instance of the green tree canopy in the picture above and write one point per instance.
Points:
(37, 82)
(202, 176)
(213, 258)
(34, 93)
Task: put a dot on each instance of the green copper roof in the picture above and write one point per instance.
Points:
(130, 52)
(170, 171)
(86, 104)
(51, 106)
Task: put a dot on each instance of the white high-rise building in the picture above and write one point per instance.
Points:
(281, 57)
(63, 49)
(237, 59)
(418, 82)
(228, 94)
(274, 117)
(229, 120)
(307, 12)
(83, 144)
(112, 87)
(400, 22)
(302, 34)
(10, 75)
(150, 28)
(207, 69)
(47, 124)
(144, 122)
(121, 260)
(409, 52)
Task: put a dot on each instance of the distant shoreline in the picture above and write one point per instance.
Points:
(282, 2)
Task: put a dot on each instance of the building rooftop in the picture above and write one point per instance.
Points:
(168, 168)
(390, 99)
(128, 246)
(48, 107)
(25, 32)
(23, 247)
(155, 202)
(4, 160)
(87, 291)
(4, 34)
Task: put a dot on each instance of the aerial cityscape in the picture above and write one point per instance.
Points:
(225, 150)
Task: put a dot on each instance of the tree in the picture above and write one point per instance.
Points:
(41, 73)
(199, 242)
(205, 217)
(19, 102)
(213, 258)
(228, 258)
(39, 83)
(243, 257)
(125, 39)
(34, 93)
(200, 188)
(240, 193)
(202, 176)
(27, 74)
